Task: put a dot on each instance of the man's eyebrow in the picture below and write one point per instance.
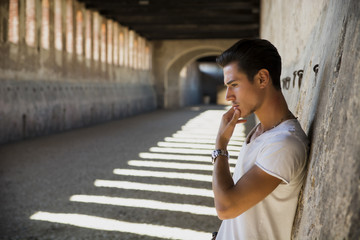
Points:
(229, 82)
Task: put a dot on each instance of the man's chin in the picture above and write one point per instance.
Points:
(246, 115)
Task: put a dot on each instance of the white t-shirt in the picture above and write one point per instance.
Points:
(282, 153)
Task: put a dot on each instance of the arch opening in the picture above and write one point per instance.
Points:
(193, 78)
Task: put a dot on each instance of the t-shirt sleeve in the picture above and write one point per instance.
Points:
(282, 159)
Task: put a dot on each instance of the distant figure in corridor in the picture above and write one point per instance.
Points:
(260, 200)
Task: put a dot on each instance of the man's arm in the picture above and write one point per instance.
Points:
(232, 199)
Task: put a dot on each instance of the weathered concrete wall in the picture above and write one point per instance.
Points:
(171, 56)
(34, 108)
(327, 103)
(43, 91)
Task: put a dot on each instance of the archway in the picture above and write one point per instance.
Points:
(171, 56)
(172, 97)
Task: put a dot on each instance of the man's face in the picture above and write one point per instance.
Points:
(243, 94)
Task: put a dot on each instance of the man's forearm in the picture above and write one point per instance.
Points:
(222, 183)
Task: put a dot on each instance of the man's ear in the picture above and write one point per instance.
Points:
(263, 77)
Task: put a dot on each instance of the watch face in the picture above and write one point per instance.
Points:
(213, 156)
(215, 153)
(218, 152)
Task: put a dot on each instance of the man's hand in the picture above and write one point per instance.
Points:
(227, 126)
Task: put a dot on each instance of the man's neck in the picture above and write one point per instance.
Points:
(273, 111)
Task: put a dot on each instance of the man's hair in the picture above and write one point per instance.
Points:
(251, 55)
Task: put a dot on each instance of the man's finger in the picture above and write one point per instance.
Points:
(236, 116)
(241, 121)
(230, 112)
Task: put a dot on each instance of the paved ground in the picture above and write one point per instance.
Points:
(144, 177)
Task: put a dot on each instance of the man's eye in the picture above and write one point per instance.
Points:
(234, 85)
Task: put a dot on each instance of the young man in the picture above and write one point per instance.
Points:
(259, 201)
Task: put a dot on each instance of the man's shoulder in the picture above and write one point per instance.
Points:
(289, 135)
(290, 129)
(284, 152)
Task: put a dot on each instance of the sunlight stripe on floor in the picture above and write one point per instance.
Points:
(194, 146)
(186, 151)
(186, 145)
(211, 137)
(206, 129)
(201, 140)
(106, 224)
(157, 174)
(171, 165)
(143, 203)
(200, 134)
(194, 158)
(155, 188)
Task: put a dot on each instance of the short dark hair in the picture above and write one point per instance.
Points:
(252, 55)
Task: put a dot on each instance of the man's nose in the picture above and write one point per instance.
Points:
(229, 96)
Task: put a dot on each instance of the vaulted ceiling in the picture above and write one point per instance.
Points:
(183, 19)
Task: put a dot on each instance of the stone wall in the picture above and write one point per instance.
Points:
(322, 38)
(35, 108)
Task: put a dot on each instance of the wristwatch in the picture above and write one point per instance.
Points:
(217, 153)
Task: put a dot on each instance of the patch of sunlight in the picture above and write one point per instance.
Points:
(210, 68)
(201, 128)
(106, 224)
(142, 203)
(195, 108)
(200, 133)
(171, 165)
(183, 72)
(180, 150)
(185, 151)
(194, 146)
(193, 158)
(210, 137)
(199, 140)
(155, 188)
(212, 113)
(156, 174)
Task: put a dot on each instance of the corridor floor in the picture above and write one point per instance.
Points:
(144, 177)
